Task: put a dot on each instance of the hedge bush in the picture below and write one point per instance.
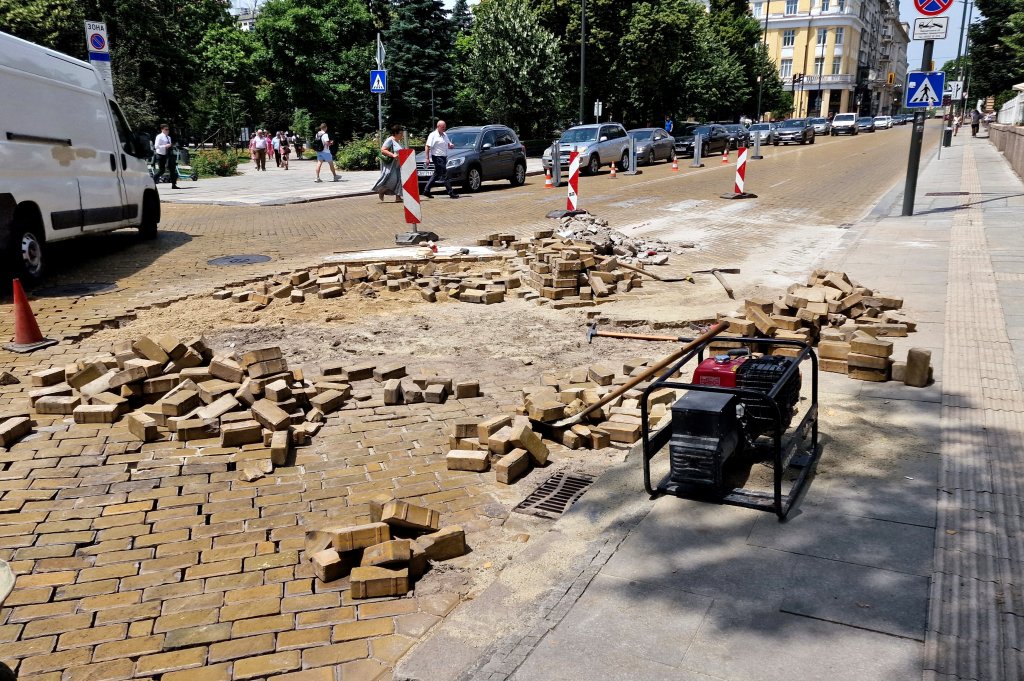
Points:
(361, 152)
(214, 162)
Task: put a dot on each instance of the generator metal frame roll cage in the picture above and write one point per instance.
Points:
(782, 456)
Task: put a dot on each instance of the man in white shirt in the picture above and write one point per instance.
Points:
(166, 161)
(436, 150)
(324, 154)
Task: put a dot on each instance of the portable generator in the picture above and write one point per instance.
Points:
(709, 428)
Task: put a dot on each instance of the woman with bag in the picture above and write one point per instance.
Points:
(390, 180)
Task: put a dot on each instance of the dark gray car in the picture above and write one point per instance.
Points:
(653, 144)
(482, 153)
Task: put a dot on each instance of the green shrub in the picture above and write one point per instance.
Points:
(361, 153)
(214, 162)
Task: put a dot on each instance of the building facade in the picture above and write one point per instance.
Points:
(837, 55)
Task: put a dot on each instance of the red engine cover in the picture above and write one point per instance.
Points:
(718, 371)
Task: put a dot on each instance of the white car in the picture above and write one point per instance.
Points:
(883, 122)
(69, 163)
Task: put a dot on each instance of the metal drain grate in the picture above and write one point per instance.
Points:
(948, 194)
(239, 260)
(555, 495)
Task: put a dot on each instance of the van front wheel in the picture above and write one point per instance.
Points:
(28, 253)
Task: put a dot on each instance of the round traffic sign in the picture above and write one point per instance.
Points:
(932, 8)
(97, 42)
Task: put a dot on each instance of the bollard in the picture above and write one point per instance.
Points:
(572, 201)
(739, 185)
(697, 144)
(411, 200)
(757, 147)
(556, 164)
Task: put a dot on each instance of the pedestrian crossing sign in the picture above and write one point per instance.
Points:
(924, 88)
(378, 82)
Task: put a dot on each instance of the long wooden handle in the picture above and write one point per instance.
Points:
(634, 336)
(641, 271)
(636, 380)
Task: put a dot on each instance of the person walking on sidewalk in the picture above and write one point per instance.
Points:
(322, 144)
(166, 161)
(975, 122)
(276, 142)
(436, 150)
(286, 151)
(259, 146)
(390, 180)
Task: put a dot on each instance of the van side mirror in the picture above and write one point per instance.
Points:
(604, 138)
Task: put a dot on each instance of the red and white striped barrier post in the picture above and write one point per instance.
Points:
(739, 185)
(411, 199)
(572, 202)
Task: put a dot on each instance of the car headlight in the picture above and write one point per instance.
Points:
(456, 162)
(641, 148)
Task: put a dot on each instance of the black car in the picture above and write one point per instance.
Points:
(481, 153)
(866, 124)
(714, 139)
(739, 136)
(794, 131)
(652, 144)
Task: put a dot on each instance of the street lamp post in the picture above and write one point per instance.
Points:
(964, 21)
(759, 99)
(764, 41)
(232, 122)
(583, 53)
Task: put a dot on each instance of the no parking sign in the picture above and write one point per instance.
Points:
(99, 48)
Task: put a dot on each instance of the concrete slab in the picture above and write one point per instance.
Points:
(745, 641)
(867, 598)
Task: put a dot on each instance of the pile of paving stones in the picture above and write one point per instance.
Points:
(848, 321)
(607, 241)
(386, 556)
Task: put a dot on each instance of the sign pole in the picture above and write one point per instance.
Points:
(917, 137)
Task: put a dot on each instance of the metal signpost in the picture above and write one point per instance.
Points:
(380, 75)
(556, 164)
(99, 49)
(696, 152)
(598, 109)
(632, 156)
(924, 89)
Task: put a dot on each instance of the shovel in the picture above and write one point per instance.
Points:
(654, 276)
(549, 428)
(718, 275)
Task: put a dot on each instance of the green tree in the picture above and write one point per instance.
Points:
(462, 17)
(517, 66)
(997, 46)
(419, 40)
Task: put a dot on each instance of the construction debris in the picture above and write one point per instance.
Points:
(849, 323)
(384, 558)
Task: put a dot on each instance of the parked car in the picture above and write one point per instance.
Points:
(598, 144)
(844, 124)
(883, 122)
(795, 131)
(821, 126)
(866, 124)
(69, 162)
(901, 119)
(482, 153)
(714, 139)
(653, 144)
(764, 131)
(738, 135)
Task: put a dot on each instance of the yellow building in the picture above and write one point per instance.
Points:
(837, 55)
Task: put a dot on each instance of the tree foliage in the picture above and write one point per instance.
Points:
(997, 46)
(420, 39)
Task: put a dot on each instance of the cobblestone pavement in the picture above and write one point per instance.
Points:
(154, 560)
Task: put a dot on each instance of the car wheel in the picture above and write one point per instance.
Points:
(594, 165)
(814, 138)
(150, 215)
(775, 144)
(624, 161)
(519, 175)
(473, 179)
(27, 251)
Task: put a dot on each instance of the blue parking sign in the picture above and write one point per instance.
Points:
(378, 82)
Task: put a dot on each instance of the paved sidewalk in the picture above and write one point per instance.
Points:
(902, 562)
(277, 187)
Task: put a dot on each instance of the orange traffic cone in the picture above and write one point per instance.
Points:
(675, 164)
(547, 179)
(613, 170)
(725, 155)
(26, 332)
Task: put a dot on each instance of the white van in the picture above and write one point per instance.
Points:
(69, 163)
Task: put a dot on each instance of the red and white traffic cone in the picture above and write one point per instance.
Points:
(739, 185)
(725, 155)
(675, 164)
(547, 179)
(613, 170)
(27, 336)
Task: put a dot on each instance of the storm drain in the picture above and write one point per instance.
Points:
(239, 260)
(948, 194)
(76, 290)
(555, 495)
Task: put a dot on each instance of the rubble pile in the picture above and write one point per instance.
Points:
(386, 556)
(607, 241)
(848, 321)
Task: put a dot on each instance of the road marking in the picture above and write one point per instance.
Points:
(778, 183)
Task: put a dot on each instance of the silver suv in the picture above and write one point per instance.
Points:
(599, 145)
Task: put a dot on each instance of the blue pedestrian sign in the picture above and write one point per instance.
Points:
(924, 89)
(378, 82)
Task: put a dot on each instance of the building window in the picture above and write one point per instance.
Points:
(788, 38)
(837, 65)
(824, 5)
(819, 65)
(791, 6)
(822, 35)
(758, 9)
(786, 68)
(840, 32)
(842, 5)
